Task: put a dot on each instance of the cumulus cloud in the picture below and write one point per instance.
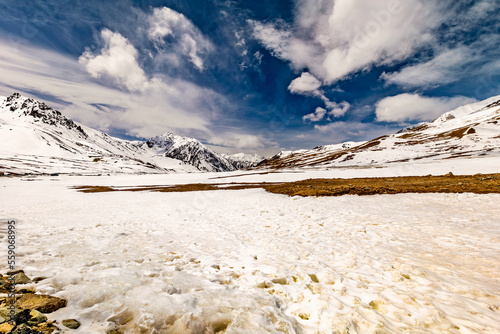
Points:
(334, 39)
(306, 83)
(316, 116)
(117, 60)
(414, 107)
(172, 31)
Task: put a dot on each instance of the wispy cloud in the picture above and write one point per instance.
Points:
(450, 65)
(338, 132)
(414, 107)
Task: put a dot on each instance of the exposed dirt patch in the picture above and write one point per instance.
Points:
(449, 183)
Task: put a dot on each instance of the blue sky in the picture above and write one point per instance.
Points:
(252, 76)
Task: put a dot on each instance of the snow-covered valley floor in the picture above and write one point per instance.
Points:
(248, 261)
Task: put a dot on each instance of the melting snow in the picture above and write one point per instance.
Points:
(253, 262)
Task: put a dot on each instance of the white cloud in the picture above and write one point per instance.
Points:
(440, 70)
(334, 39)
(240, 141)
(306, 83)
(337, 132)
(337, 109)
(186, 37)
(414, 107)
(178, 106)
(272, 37)
(169, 105)
(316, 116)
(117, 60)
(450, 65)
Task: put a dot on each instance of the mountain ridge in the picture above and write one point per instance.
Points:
(36, 139)
(469, 131)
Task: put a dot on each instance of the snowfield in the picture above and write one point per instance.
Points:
(248, 261)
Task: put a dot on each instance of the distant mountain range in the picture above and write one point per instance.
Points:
(36, 139)
(467, 132)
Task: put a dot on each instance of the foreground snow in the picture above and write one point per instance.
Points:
(253, 262)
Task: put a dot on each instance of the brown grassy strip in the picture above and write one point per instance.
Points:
(479, 184)
(176, 188)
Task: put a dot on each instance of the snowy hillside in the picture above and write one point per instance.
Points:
(188, 150)
(35, 138)
(304, 158)
(471, 131)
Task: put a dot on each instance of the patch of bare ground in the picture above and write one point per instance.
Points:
(449, 183)
(175, 188)
(479, 183)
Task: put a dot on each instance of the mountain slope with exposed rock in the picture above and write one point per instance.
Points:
(188, 150)
(36, 139)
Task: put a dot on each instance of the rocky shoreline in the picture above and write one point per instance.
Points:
(26, 314)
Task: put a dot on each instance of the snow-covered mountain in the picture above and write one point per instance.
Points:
(466, 132)
(36, 139)
(188, 150)
(243, 160)
(306, 158)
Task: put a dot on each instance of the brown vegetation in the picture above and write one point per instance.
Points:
(449, 183)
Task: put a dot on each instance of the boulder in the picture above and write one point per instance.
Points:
(42, 303)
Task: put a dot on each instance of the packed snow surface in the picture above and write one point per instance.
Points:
(253, 262)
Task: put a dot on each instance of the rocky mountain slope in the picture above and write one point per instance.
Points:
(471, 131)
(243, 160)
(36, 139)
(188, 150)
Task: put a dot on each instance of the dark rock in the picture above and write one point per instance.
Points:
(22, 317)
(25, 329)
(38, 279)
(114, 331)
(21, 278)
(71, 323)
(46, 327)
(15, 272)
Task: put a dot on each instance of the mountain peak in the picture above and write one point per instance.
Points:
(38, 111)
(188, 150)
